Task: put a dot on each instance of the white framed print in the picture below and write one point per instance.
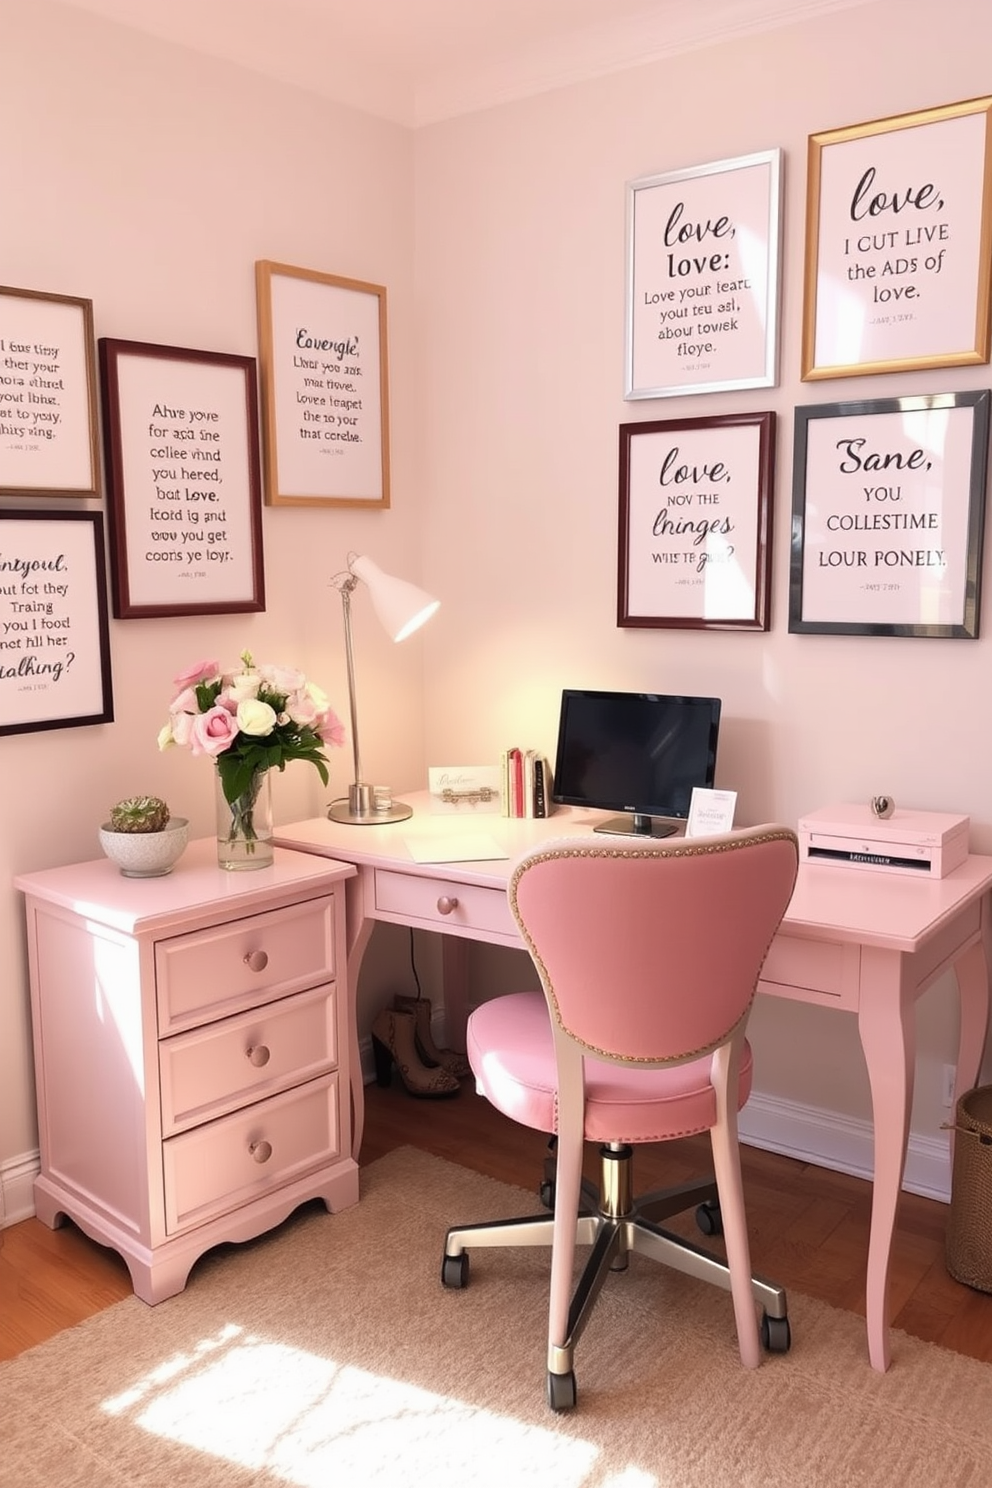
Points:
(703, 250)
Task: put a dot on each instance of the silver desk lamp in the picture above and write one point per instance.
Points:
(402, 608)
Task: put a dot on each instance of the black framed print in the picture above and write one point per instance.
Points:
(696, 522)
(888, 507)
(54, 640)
(183, 479)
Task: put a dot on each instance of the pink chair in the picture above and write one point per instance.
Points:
(649, 954)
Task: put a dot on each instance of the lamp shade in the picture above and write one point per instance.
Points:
(401, 607)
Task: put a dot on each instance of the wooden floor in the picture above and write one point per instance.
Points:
(808, 1226)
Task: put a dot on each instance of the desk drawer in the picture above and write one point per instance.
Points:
(217, 1167)
(212, 973)
(476, 909)
(218, 1067)
(822, 971)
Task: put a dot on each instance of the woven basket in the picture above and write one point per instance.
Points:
(969, 1223)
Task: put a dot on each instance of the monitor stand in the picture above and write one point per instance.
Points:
(637, 826)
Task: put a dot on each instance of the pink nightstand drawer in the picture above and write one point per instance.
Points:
(216, 1068)
(214, 1168)
(213, 973)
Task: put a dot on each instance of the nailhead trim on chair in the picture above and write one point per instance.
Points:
(566, 847)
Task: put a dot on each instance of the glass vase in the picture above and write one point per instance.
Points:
(244, 826)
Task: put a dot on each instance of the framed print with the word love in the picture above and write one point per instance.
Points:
(899, 243)
(703, 278)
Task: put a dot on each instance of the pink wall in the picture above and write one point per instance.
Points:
(149, 180)
(520, 259)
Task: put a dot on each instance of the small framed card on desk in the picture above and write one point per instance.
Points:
(464, 789)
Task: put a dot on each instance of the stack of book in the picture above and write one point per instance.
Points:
(525, 788)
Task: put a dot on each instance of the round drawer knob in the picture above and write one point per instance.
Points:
(445, 905)
(257, 960)
(257, 1055)
(261, 1151)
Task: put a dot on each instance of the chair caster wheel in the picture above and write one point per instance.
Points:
(454, 1270)
(546, 1194)
(709, 1219)
(561, 1391)
(776, 1335)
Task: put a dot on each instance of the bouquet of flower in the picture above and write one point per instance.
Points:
(250, 721)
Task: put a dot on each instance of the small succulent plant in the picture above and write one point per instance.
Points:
(140, 814)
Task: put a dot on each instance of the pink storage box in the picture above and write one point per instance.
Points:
(925, 844)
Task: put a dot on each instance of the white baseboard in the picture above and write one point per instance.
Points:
(827, 1139)
(17, 1177)
(842, 1143)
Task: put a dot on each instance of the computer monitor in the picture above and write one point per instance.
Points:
(640, 753)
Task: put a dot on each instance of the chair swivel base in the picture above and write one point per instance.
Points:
(614, 1224)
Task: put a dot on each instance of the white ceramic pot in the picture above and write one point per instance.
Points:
(146, 854)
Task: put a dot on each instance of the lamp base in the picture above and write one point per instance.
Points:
(359, 809)
(341, 811)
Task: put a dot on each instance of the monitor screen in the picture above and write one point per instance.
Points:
(636, 752)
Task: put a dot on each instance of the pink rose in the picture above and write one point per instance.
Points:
(283, 679)
(185, 702)
(226, 699)
(202, 671)
(213, 731)
(330, 728)
(302, 709)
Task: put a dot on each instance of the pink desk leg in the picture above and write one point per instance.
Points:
(359, 931)
(972, 973)
(887, 1025)
(454, 974)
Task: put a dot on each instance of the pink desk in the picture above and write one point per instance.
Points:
(859, 941)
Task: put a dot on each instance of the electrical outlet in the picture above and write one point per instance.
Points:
(948, 1089)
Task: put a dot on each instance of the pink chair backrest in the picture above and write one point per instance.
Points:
(651, 951)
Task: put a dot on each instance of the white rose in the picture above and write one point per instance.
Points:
(242, 686)
(256, 718)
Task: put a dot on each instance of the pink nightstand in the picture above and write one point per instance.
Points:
(195, 1042)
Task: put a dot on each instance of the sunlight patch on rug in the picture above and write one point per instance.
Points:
(312, 1420)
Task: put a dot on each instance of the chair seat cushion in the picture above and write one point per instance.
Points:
(511, 1051)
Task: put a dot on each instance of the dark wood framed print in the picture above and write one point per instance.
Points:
(54, 641)
(48, 421)
(703, 278)
(899, 243)
(325, 399)
(888, 509)
(183, 475)
(696, 522)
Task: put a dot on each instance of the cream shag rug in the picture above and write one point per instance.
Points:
(328, 1354)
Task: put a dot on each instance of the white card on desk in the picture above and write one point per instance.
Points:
(468, 849)
(710, 812)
